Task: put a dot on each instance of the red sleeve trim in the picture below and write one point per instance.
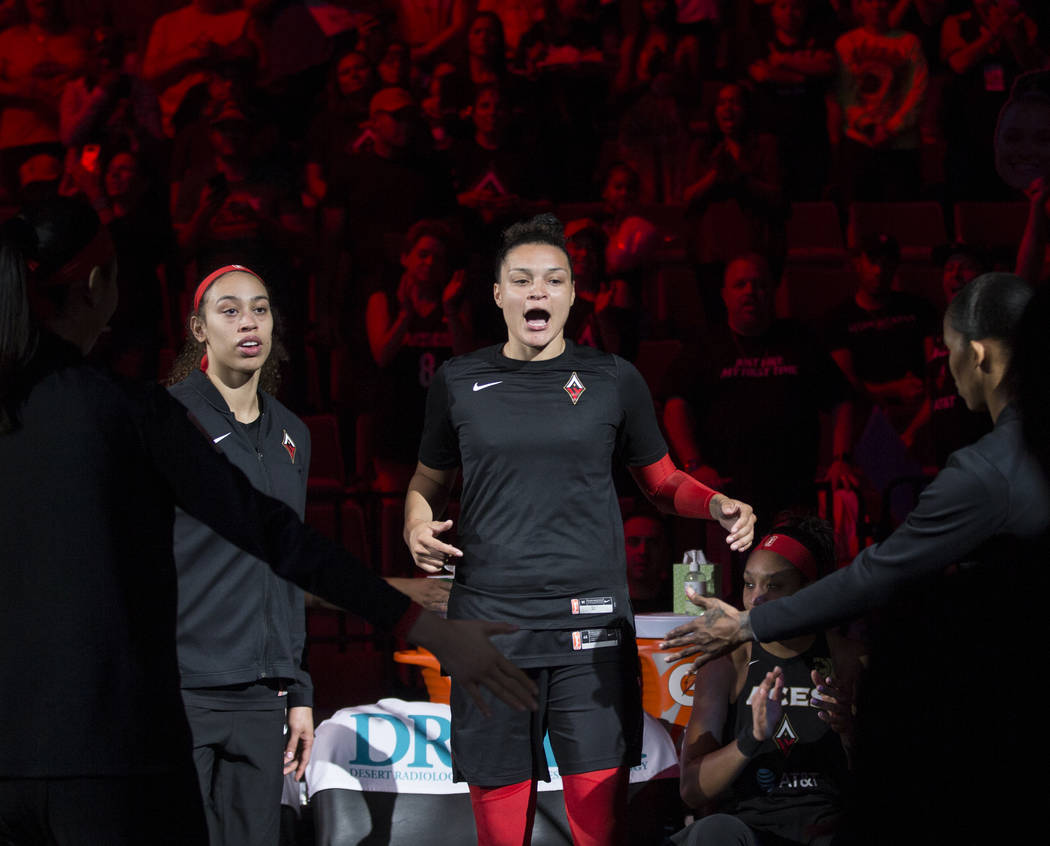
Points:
(673, 491)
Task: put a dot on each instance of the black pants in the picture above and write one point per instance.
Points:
(102, 811)
(238, 755)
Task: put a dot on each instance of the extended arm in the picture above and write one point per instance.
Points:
(675, 492)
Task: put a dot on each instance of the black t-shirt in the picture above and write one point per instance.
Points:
(888, 343)
(540, 522)
(403, 383)
(756, 402)
(795, 781)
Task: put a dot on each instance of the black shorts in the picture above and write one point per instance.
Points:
(592, 713)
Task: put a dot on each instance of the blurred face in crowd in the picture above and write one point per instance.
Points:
(483, 39)
(425, 263)
(621, 190)
(874, 14)
(875, 274)
(648, 559)
(489, 113)
(354, 74)
(394, 66)
(585, 252)
(654, 9)
(729, 111)
(41, 12)
(535, 292)
(123, 179)
(1022, 143)
(229, 138)
(958, 270)
(748, 294)
(236, 324)
(769, 576)
(788, 16)
(394, 129)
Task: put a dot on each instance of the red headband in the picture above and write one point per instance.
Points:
(98, 252)
(793, 551)
(206, 283)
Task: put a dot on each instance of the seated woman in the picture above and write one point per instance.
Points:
(768, 740)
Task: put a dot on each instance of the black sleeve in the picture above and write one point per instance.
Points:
(640, 441)
(205, 485)
(439, 446)
(957, 512)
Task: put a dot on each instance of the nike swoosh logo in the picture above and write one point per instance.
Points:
(478, 387)
(216, 440)
(749, 663)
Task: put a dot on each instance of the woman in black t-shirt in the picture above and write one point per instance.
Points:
(535, 424)
(768, 739)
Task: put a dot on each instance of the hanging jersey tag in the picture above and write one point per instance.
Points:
(595, 639)
(593, 605)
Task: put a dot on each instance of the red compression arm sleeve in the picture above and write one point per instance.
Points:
(673, 491)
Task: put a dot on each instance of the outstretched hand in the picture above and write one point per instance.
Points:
(720, 630)
(465, 651)
(428, 552)
(737, 518)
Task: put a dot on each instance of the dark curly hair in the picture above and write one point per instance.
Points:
(541, 229)
(189, 357)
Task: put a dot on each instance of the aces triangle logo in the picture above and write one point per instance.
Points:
(785, 737)
(289, 445)
(574, 388)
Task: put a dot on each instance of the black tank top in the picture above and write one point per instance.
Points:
(796, 779)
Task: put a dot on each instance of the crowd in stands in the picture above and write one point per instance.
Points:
(714, 161)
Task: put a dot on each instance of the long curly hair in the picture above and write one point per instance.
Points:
(189, 357)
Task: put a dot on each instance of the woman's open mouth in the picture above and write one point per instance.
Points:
(537, 319)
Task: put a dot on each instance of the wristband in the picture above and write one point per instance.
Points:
(746, 743)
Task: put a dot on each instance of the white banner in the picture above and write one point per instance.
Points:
(403, 747)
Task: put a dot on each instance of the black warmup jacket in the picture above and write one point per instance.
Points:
(87, 578)
(237, 620)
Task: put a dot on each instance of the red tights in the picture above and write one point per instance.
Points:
(595, 803)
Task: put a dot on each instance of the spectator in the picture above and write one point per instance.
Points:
(414, 325)
(655, 48)
(394, 68)
(134, 209)
(37, 59)
(770, 734)
(882, 84)
(237, 204)
(338, 124)
(605, 315)
(108, 106)
(986, 48)
(494, 172)
(187, 44)
(877, 336)
(752, 391)
(432, 30)
(362, 214)
(792, 71)
(648, 563)
(738, 199)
